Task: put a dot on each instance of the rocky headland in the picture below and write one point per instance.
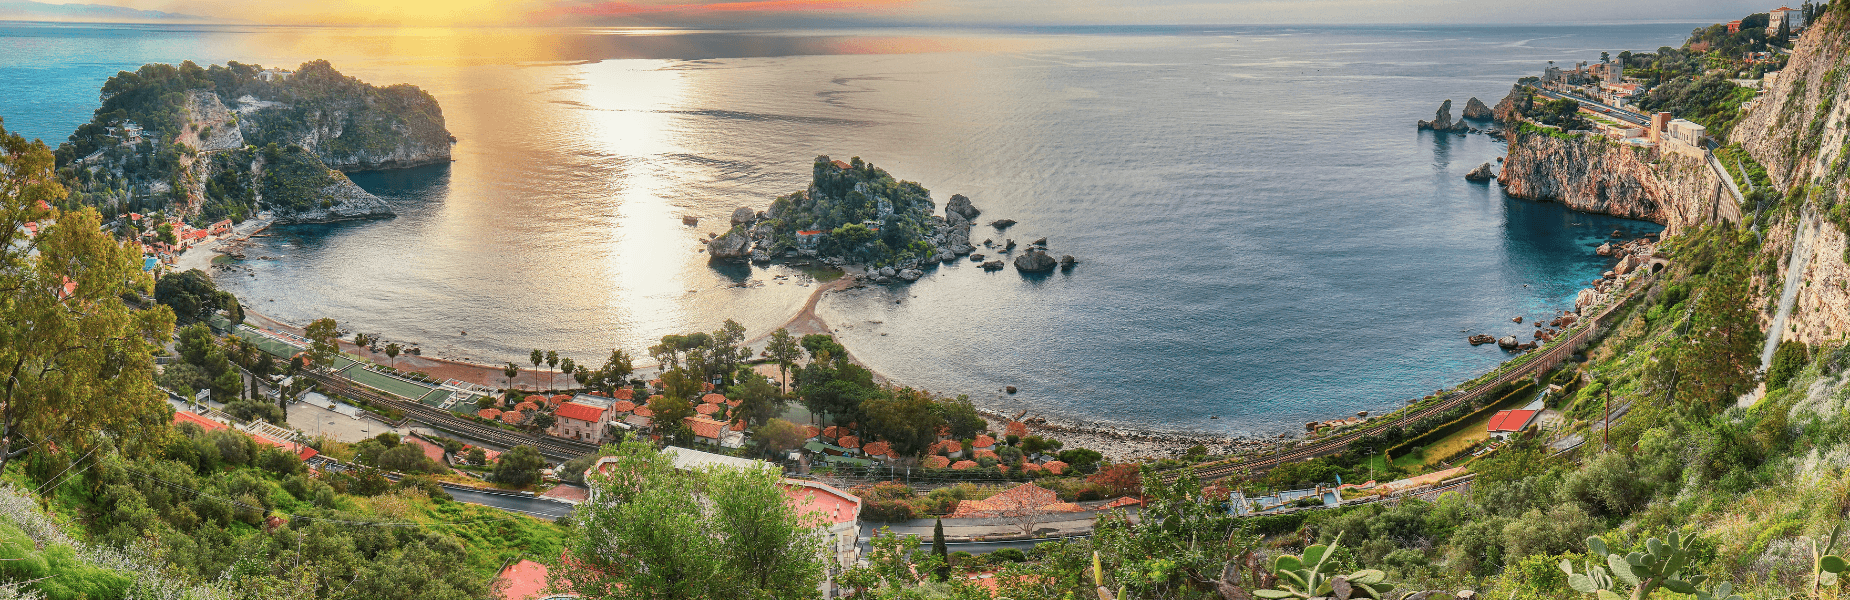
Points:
(1591, 173)
(240, 139)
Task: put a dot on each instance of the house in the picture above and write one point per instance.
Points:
(580, 422)
(983, 443)
(842, 165)
(808, 237)
(706, 431)
(220, 228)
(1794, 19)
(640, 417)
(1506, 422)
(1734, 26)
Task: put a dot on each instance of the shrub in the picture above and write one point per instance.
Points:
(1010, 554)
(887, 511)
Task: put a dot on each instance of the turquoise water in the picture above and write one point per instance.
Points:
(1263, 236)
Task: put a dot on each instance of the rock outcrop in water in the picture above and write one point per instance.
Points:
(1475, 109)
(1481, 174)
(1035, 261)
(1442, 120)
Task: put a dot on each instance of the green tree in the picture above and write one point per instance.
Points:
(728, 350)
(904, 418)
(567, 367)
(1717, 361)
(615, 373)
(537, 358)
(759, 401)
(645, 540)
(66, 337)
(194, 297)
(961, 416)
(511, 372)
(552, 363)
(391, 353)
(778, 436)
(670, 413)
(519, 467)
(324, 342)
(939, 550)
(406, 458)
(783, 349)
(680, 384)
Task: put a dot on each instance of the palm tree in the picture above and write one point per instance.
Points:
(511, 371)
(566, 366)
(552, 362)
(538, 357)
(391, 353)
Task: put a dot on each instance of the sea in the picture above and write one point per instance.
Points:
(1263, 236)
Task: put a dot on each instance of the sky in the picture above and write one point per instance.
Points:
(788, 13)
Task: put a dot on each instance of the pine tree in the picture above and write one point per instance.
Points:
(939, 550)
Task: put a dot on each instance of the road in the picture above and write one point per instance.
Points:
(537, 507)
(1599, 107)
(971, 547)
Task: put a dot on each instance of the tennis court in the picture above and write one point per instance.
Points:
(273, 346)
(435, 398)
(391, 385)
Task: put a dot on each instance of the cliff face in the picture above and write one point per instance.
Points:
(348, 124)
(1796, 129)
(1593, 174)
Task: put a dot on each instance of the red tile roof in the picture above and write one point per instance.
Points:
(581, 412)
(643, 411)
(1054, 466)
(526, 580)
(878, 449)
(1030, 468)
(712, 399)
(738, 425)
(623, 406)
(707, 409)
(703, 427)
(624, 394)
(1510, 420)
(557, 398)
(489, 413)
(1125, 501)
(983, 453)
(513, 417)
(983, 441)
(431, 451)
(812, 430)
(832, 432)
(964, 464)
(841, 165)
(850, 442)
(937, 462)
(526, 406)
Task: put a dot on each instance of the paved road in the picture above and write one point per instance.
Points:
(971, 547)
(537, 507)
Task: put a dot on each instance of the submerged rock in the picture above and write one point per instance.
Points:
(1480, 339)
(1002, 223)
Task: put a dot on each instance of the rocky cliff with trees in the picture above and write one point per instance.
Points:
(226, 142)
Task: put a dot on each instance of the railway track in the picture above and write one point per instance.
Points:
(1557, 351)
(554, 448)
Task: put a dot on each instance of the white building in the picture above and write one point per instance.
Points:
(1687, 132)
(580, 422)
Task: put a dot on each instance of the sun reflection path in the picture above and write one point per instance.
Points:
(643, 277)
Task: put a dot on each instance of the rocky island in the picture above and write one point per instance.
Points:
(857, 216)
(229, 142)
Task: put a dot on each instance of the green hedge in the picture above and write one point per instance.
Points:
(1522, 389)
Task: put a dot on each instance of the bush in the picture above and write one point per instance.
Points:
(1790, 358)
(1010, 554)
(887, 511)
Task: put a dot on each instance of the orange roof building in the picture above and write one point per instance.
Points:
(964, 464)
(983, 442)
(489, 413)
(1055, 467)
(705, 430)
(581, 422)
(706, 409)
(937, 462)
(850, 442)
(713, 399)
(881, 450)
(513, 417)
